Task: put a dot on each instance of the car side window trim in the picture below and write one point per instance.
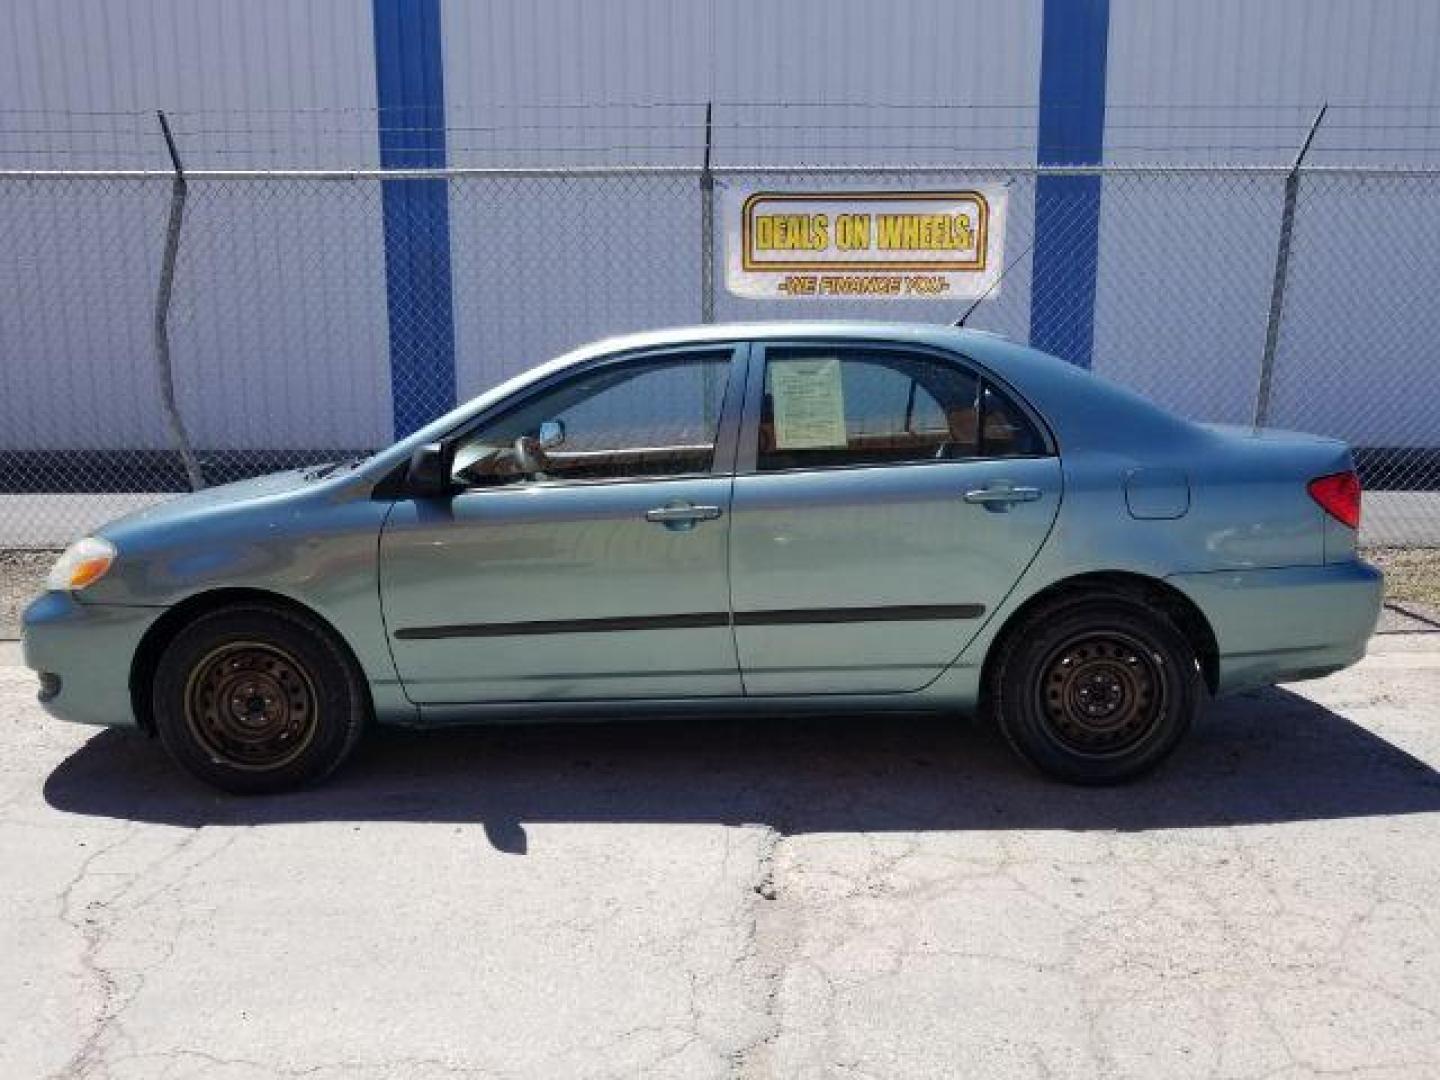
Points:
(587, 482)
(747, 458)
(722, 461)
(865, 466)
(729, 432)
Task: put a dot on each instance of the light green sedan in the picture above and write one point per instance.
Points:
(782, 517)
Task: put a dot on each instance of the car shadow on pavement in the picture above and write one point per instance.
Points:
(1270, 756)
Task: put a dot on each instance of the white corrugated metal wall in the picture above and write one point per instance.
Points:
(1184, 79)
(291, 291)
(290, 83)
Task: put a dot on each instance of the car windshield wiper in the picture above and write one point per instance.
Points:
(330, 468)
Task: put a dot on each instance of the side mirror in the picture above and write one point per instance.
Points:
(429, 473)
(552, 434)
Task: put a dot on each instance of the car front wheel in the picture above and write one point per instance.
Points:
(1096, 690)
(256, 698)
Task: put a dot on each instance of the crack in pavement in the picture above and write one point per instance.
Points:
(91, 931)
(93, 919)
(767, 943)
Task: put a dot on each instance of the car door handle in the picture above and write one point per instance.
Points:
(1001, 495)
(681, 515)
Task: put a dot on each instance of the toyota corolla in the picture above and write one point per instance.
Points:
(776, 518)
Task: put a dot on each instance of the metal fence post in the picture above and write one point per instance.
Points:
(1282, 272)
(707, 257)
(178, 192)
(707, 224)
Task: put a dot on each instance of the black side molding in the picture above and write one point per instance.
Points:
(894, 613)
(693, 621)
(700, 620)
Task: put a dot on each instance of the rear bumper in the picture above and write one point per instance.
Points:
(83, 654)
(1287, 624)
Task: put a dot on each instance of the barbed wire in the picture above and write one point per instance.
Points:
(1163, 132)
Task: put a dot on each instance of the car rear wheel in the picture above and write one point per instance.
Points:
(256, 698)
(1097, 689)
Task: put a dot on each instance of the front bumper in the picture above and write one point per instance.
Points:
(83, 653)
(1287, 624)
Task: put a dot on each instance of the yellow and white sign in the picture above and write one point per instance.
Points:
(913, 245)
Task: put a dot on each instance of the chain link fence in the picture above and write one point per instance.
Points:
(284, 345)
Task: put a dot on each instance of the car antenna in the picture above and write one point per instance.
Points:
(991, 287)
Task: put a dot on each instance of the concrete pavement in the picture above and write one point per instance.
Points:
(768, 898)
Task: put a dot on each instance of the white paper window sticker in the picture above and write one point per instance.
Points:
(808, 402)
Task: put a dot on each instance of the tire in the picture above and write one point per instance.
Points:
(255, 698)
(1096, 689)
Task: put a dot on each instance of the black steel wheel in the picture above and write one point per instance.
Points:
(251, 705)
(1096, 689)
(255, 698)
(1102, 693)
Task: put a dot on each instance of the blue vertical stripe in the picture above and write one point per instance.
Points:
(1067, 208)
(410, 85)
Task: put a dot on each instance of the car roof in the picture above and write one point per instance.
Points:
(773, 329)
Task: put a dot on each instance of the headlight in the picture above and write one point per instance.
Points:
(82, 563)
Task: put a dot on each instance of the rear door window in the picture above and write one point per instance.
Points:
(835, 407)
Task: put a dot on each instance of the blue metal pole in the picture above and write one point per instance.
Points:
(410, 85)
(1067, 208)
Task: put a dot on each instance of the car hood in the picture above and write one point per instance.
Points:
(214, 500)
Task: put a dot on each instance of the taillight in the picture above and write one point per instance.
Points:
(1339, 496)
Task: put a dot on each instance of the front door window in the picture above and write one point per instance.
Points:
(625, 420)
